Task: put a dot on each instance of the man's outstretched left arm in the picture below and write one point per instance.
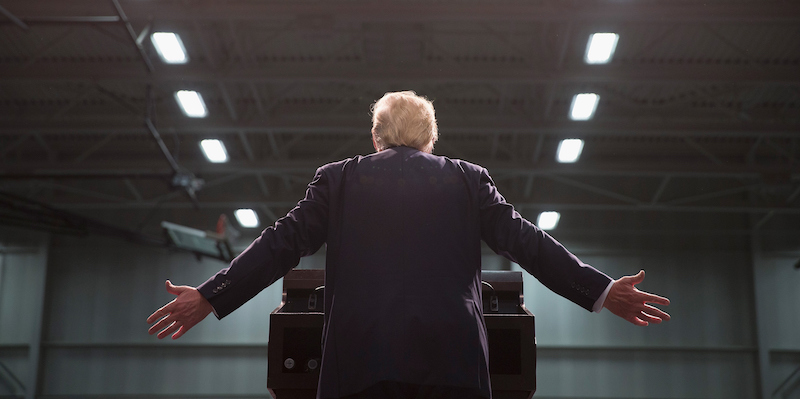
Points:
(180, 315)
(268, 258)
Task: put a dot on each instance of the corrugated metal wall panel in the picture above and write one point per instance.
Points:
(23, 267)
(100, 291)
(709, 302)
(97, 343)
(103, 291)
(20, 272)
(155, 370)
(785, 300)
(706, 350)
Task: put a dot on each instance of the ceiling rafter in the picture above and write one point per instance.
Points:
(519, 203)
(43, 49)
(744, 156)
(711, 157)
(647, 129)
(464, 11)
(133, 190)
(133, 35)
(353, 72)
(716, 194)
(707, 125)
(592, 188)
(146, 169)
(94, 148)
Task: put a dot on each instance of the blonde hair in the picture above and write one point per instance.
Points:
(404, 118)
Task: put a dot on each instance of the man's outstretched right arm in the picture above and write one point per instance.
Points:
(511, 235)
(627, 302)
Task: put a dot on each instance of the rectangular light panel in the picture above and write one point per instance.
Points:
(569, 150)
(583, 106)
(169, 47)
(548, 220)
(601, 48)
(191, 103)
(214, 150)
(246, 217)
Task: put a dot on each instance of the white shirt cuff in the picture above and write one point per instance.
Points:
(598, 304)
(215, 312)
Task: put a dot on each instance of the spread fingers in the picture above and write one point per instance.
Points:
(164, 322)
(169, 330)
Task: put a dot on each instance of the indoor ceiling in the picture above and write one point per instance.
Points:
(697, 131)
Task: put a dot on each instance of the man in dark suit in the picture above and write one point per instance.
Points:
(402, 277)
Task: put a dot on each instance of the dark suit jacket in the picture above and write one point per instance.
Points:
(402, 275)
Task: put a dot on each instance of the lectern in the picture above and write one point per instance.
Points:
(295, 336)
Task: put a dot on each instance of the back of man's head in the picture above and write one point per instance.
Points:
(404, 118)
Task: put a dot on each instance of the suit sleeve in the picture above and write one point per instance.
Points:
(273, 254)
(512, 236)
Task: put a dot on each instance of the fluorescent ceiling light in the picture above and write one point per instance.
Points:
(214, 150)
(169, 47)
(191, 103)
(569, 150)
(246, 217)
(583, 106)
(600, 48)
(548, 220)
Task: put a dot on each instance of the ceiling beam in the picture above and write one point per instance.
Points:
(519, 204)
(134, 37)
(421, 10)
(323, 126)
(427, 72)
(145, 169)
(13, 18)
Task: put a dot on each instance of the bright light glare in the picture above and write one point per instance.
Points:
(191, 103)
(169, 47)
(214, 150)
(601, 47)
(246, 217)
(548, 220)
(583, 106)
(569, 150)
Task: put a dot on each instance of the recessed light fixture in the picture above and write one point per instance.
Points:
(214, 150)
(246, 217)
(583, 106)
(548, 220)
(569, 150)
(191, 103)
(169, 47)
(601, 48)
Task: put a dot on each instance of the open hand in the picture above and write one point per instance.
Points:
(183, 313)
(625, 301)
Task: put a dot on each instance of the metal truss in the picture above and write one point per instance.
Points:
(506, 10)
(706, 126)
(744, 183)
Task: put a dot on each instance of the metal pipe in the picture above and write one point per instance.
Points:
(68, 20)
(172, 162)
(13, 18)
(133, 35)
(331, 127)
(519, 204)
